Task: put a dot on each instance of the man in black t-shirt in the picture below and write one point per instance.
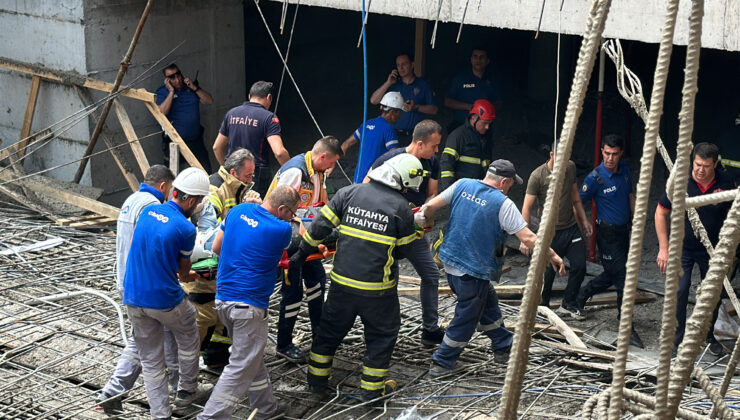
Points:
(704, 180)
(424, 146)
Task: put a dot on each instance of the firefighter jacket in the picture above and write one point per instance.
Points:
(311, 187)
(467, 154)
(375, 227)
(225, 192)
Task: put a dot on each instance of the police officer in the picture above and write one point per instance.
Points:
(160, 251)
(610, 186)
(468, 150)
(424, 146)
(481, 216)
(705, 179)
(305, 174)
(380, 136)
(375, 226)
(470, 85)
(249, 126)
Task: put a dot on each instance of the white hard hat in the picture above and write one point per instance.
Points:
(192, 181)
(392, 100)
(400, 172)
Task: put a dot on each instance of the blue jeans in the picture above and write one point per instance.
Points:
(477, 308)
(420, 256)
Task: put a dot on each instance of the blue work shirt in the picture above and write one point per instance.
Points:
(418, 91)
(253, 243)
(248, 126)
(379, 138)
(430, 165)
(162, 236)
(184, 113)
(467, 87)
(611, 192)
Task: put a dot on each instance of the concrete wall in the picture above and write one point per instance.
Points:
(637, 20)
(52, 35)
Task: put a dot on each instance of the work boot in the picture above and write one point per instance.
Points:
(572, 311)
(581, 302)
(715, 348)
(389, 386)
(436, 371)
(292, 353)
(111, 406)
(635, 339)
(186, 398)
(502, 355)
(432, 338)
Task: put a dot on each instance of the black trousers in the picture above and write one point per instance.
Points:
(381, 320)
(312, 273)
(688, 259)
(567, 243)
(196, 146)
(613, 242)
(262, 180)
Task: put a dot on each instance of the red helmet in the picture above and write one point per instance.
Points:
(483, 109)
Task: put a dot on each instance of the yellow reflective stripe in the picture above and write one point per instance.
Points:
(372, 386)
(217, 338)
(485, 162)
(730, 162)
(216, 202)
(448, 174)
(408, 239)
(231, 201)
(318, 371)
(362, 285)
(470, 159)
(374, 372)
(368, 236)
(309, 240)
(330, 215)
(388, 264)
(451, 151)
(320, 358)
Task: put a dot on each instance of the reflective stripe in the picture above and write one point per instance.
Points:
(309, 240)
(216, 202)
(154, 377)
(372, 386)
(470, 159)
(448, 174)
(451, 151)
(330, 216)
(362, 285)
(259, 385)
(388, 264)
(485, 162)
(492, 326)
(729, 162)
(313, 296)
(320, 358)
(182, 354)
(578, 239)
(230, 202)
(186, 253)
(318, 371)
(408, 239)
(374, 371)
(293, 306)
(224, 398)
(218, 338)
(291, 314)
(452, 343)
(312, 288)
(368, 236)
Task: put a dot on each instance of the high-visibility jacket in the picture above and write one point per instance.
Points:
(467, 154)
(311, 189)
(375, 225)
(225, 192)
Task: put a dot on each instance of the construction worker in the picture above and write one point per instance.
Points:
(230, 185)
(380, 136)
(305, 174)
(155, 188)
(480, 218)
(568, 240)
(246, 278)
(160, 251)
(249, 126)
(468, 149)
(705, 179)
(610, 186)
(375, 225)
(424, 146)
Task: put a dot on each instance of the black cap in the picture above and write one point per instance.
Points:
(504, 168)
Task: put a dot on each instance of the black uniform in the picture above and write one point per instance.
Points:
(375, 225)
(467, 154)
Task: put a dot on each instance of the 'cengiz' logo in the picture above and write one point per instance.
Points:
(250, 222)
(160, 217)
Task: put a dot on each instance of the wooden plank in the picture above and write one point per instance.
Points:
(414, 291)
(542, 329)
(561, 326)
(33, 95)
(128, 131)
(173, 135)
(419, 57)
(600, 354)
(140, 94)
(174, 159)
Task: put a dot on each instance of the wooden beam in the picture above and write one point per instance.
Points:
(173, 135)
(601, 354)
(562, 327)
(33, 95)
(419, 47)
(128, 130)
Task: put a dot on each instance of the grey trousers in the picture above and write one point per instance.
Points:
(246, 372)
(420, 256)
(149, 337)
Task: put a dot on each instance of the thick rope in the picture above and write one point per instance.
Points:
(707, 298)
(709, 199)
(719, 404)
(640, 214)
(511, 392)
(729, 373)
(634, 402)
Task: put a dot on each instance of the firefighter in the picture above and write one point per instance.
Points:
(375, 225)
(305, 174)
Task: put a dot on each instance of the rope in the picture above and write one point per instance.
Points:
(729, 373)
(709, 199)
(634, 402)
(287, 54)
(713, 394)
(520, 348)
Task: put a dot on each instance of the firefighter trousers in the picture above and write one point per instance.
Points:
(314, 276)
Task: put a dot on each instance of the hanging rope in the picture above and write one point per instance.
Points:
(719, 404)
(520, 348)
(729, 373)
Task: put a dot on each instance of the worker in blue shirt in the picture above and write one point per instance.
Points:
(418, 96)
(160, 251)
(246, 279)
(380, 136)
(610, 186)
(470, 85)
